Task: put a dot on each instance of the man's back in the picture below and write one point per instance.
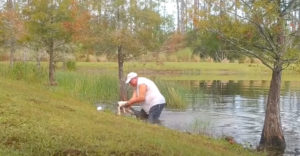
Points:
(153, 95)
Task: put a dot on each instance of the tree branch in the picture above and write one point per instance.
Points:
(291, 4)
(263, 32)
(263, 48)
(268, 37)
(249, 52)
(246, 4)
(288, 62)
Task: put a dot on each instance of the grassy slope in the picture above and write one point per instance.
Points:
(34, 121)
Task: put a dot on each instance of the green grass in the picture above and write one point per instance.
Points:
(191, 70)
(93, 87)
(36, 121)
(180, 66)
(88, 87)
(21, 71)
(185, 70)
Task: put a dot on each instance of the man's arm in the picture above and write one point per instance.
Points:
(136, 99)
(134, 95)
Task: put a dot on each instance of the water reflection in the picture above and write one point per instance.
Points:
(236, 108)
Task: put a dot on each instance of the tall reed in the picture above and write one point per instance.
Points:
(201, 127)
(24, 71)
(93, 88)
(174, 94)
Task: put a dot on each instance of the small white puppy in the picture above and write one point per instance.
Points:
(123, 110)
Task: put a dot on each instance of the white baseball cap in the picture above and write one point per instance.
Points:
(130, 76)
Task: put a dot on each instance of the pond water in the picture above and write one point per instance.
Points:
(237, 109)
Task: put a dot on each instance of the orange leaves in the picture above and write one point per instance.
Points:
(174, 42)
(12, 23)
(79, 26)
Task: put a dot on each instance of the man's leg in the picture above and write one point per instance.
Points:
(155, 112)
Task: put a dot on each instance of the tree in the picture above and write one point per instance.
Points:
(262, 30)
(80, 27)
(129, 29)
(45, 24)
(210, 45)
(12, 28)
(182, 13)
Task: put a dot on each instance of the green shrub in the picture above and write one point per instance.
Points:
(297, 67)
(184, 55)
(71, 65)
(242, 60)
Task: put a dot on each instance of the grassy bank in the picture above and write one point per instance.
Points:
(184, 70)
(181, 67)
(191, 70)
(36, 121)
(94, 87)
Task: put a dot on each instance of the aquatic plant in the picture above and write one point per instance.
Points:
(174, 94)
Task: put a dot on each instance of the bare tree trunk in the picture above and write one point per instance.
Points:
(186, 15)
(298, 20)
(12, 51)
(99, 4)
(196, 6)
(123, 95)
(12, 40)
(196, 13)
(222, 8)
(209, 8)
(272, 134)
(182, 15)
(51, 64)
(38, 59)
(25, 55)
(178, 16)
(64, 60)
(235, 9)
(87, 57)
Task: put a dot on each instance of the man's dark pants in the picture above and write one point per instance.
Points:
(154, 113)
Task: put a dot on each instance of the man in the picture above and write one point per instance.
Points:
(146, 92)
